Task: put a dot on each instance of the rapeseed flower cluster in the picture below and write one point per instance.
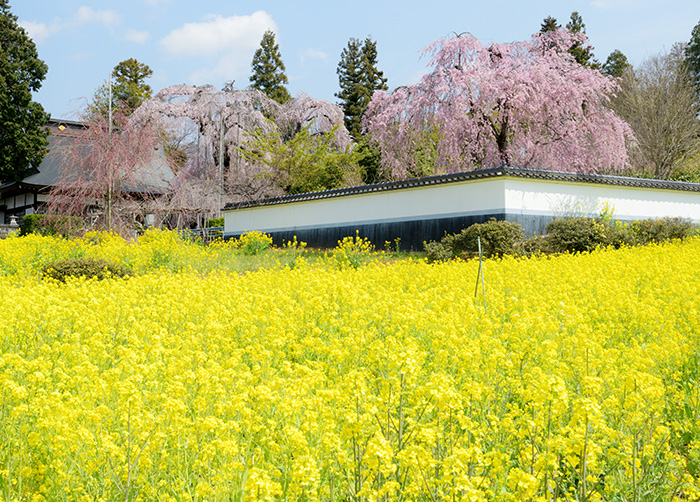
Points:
(579, 381)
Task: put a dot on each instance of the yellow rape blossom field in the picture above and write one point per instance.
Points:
(577, 377)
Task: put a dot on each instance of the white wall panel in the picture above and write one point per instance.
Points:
(555, 198)
(406, 204)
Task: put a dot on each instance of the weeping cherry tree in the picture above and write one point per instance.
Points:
(526, 104)
(223, 127)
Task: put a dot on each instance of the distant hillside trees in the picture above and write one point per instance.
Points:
(659, 101)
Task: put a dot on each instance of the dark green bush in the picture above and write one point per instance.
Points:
(576, 235)
(83, 267)
(663, 229)
(535, 245)
(497, 239)
(437, 251)
(618, 235)
(32, 224)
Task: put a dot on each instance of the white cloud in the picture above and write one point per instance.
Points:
(139, 37)
(217, 35)
(88, 15)
(313, 54)
(228, 43)
(38, 32)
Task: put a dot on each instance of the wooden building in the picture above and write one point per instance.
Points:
(28, 196)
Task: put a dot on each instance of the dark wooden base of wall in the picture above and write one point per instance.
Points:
(412, 233)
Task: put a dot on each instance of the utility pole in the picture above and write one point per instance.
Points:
(222, 133)
(110, 188)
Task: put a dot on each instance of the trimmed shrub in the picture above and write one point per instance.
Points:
(620, 234)
(497, 239)
(575, 235)
(437, 251)
(663, 229)
(535, 245)
(83, 267)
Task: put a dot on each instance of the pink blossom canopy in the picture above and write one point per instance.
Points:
(524, 104)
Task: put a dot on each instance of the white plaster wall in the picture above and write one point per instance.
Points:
(514, 196)
(525, 196)
(450, 199)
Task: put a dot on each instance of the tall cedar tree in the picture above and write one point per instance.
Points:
(692, 56)
(23, 137)
(268, 70)
(549, 24)
(129, 88)
(582, 52)
(359, 79)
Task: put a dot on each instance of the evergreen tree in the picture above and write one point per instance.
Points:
(549, 24)
(350, 79)
(359, 79)
(616, 65)
(129, 89)
(582, 53)
(374, 79)
(23, 137)
(692, 56)
(268, 70)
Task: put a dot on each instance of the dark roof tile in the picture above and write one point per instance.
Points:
(517, 172)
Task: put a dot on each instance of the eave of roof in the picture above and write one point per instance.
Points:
(516, 172)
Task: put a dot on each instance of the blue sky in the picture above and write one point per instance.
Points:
(212, 41)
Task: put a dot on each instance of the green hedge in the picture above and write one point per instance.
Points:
(563, 235)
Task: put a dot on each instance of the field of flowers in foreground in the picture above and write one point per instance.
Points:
(579, 381)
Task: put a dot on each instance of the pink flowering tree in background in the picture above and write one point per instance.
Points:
(108, 178)
(523, 104)
(215, 131)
